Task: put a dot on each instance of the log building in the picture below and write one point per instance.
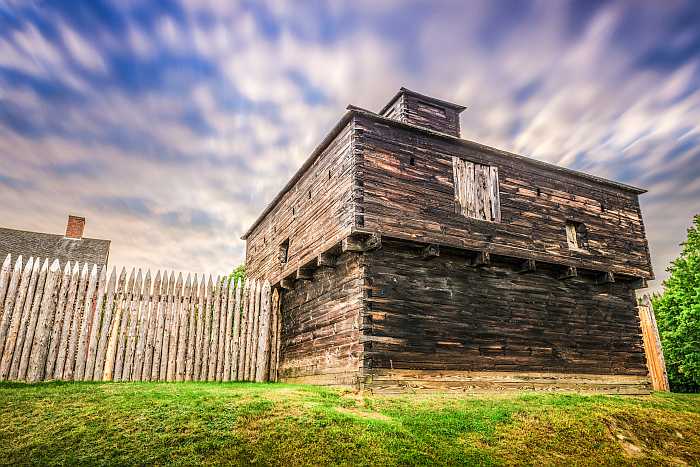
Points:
(412, 258)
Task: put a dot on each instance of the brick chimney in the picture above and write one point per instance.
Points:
(420, 110)
(75, 227)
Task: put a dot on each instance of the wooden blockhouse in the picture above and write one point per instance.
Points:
(411, 258)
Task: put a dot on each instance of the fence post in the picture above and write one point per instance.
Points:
(39, 349)
(5, 272)
(10, 297)
(87, 315)
(32, 321)
(17, 312)
(262, 370)
(58, 322)
(105, 327)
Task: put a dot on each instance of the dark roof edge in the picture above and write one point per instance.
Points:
(314, 155)
(57, 235)
(457, 107)
(352, 110)
(525, 159)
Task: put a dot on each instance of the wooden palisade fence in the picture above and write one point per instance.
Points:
(81, 324)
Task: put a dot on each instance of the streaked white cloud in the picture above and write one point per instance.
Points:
(172, 131)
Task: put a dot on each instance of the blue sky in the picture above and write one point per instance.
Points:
(170, 125)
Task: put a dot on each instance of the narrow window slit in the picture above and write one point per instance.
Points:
(284, 251)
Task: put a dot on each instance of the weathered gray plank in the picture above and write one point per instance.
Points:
(176, 303)
(149, 358)
(192, 331)
(214, 333)
(106, 326)
(124, 309)
(262, 370)
(255, 332)
(113, 343)
(24, 321)
(206, 338)
(235, 338)
(183, 329)
(40, 347)
(10, 299)
(223, 306)
(97, 307)
(5, 273)
(57, 327)
(85, 325)
(143, 314)
(77, 317)
(68, 311)
(199, 350)
(14, 315)
(33, 318)
(167, 311)
(228, 333)
(243, 338)
(249, 357)
(275, 337)
(132, 328)
(495, 195)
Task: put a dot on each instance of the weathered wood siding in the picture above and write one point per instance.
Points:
(408, 192)
(317, 211)
(409, 107)
(441, 314)
(320, 340)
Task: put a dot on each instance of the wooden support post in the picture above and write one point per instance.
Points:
(652, 346)
(430, 251)
(325, 260)
(605, 278)
(528, 265)
(568, 273)
(305, 273)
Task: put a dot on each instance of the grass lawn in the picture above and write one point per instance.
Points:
(240, 423)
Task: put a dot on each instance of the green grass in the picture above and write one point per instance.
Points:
(239, 423)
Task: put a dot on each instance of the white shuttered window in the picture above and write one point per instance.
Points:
(476, 190)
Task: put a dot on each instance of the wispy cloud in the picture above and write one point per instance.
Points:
(171, 125)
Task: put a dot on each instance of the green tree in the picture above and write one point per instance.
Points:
(237, 274)
(677, 313)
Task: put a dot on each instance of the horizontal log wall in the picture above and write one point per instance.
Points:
(321, 329)
(319, 209)
(443, 314)
(408, 192)
(79, 324)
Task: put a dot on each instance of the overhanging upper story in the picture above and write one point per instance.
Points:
(405, 173)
